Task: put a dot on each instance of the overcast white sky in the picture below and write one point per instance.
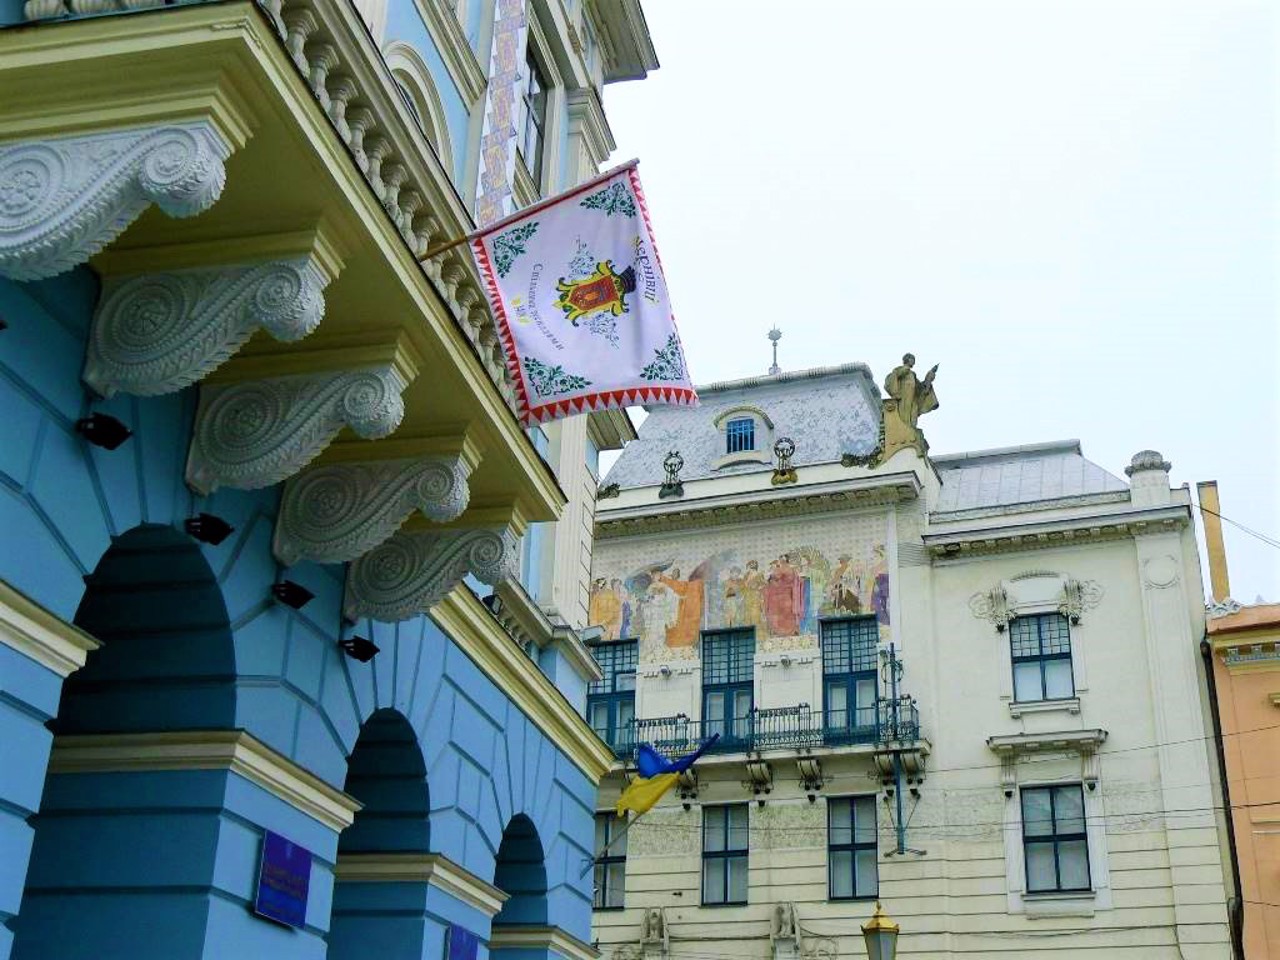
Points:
(1071, 205)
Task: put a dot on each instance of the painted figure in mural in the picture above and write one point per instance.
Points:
(841, 590)
(880, 585)
(783, 604)
(914, 396)
(814, 572)
(753, 584)
(683, 632)
(624, 625)
(605, 609)
(734, 601)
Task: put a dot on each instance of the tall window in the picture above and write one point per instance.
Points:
(611, 866)
(740, 435)
(611, 700)
(1041, 647)
(533, 117)
(851, 848)
(1054, 840)
(849, 677)
(724, 854)
(728, 662)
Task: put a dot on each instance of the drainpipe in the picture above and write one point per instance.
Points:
(1235, 906)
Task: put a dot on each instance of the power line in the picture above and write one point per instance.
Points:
(1269, 541)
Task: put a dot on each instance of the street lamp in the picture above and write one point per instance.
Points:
(881, 935)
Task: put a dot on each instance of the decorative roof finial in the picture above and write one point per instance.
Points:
(775, 335)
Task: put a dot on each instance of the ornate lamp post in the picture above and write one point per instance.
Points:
(881, 935)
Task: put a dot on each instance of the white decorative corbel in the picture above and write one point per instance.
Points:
(157, 333)
(338, 512)
(64, 199)
(412, 572)
(257, 433)
(1079, 596)
(992, 605)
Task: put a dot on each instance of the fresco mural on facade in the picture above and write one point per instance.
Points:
(666, 603)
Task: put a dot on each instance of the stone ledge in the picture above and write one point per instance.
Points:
(431, 868)
(542, 938)
(34, 632)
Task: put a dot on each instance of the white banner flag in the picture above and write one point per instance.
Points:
(581, 303)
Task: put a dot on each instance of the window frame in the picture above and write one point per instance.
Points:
(1056, 839)
(623, 660)
(740, 435)
(849, 679)
(612, 858)
(529, 113)
(761, 450)
(727, 855)
(1040, 658)
(736, 730)
(853, 846)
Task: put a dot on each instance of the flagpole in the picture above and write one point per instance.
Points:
(592, 861)
(525, 212)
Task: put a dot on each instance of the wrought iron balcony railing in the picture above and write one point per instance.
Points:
(774, 728)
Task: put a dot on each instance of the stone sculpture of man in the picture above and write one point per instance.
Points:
(914, 396)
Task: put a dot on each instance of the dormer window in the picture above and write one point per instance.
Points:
(740, 435)
(746, 436)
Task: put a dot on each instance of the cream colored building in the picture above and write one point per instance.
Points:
(1049, 749)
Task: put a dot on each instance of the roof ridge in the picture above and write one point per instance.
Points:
(812, 373)
(1018, 451)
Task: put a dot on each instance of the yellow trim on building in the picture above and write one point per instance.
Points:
(481, 637)
(36, 633)
(431, 868)
(234, 750)
(542, 938)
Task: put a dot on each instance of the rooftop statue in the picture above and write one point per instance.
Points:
(913, 395)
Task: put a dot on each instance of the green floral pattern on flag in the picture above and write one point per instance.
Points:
(667, 363)
(549, 381)
(614, 198)
(510, 245)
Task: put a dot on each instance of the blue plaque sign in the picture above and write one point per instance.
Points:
(461, 944)
(283, 880)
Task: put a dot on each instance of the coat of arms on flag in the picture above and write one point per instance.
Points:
(581, 302)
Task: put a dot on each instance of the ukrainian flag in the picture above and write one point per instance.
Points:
(656, 775)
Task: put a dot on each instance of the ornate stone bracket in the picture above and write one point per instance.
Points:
(412, 572)
(1079, 596)
(992, 605)
(339, 512)
(258, 433)
(157, 333)
(1085, 743)
(62, 200)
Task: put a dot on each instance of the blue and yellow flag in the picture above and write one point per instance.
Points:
(656, 776)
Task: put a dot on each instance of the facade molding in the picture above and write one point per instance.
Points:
(233, 750)
(260, 432)
(764, 504)
(521, 617)
(466, 620)
(946, 544)
(430, 868)
(450, 40)
(39, 635)
(157, 333)
(413, 571)
(336, 512)
(552, 939)
(65, 198)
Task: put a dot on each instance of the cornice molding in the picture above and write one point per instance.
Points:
(1063, 531)
(234, 750)
(586, 116)
(465, 619)
(1021, 743)
(765, 504)
(521, 617)
(541, 938)
(34, 632)
(431, 868)
(450, 40)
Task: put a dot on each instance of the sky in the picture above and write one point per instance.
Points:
(1069, 205)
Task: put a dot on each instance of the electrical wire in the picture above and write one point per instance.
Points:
(1269, 541)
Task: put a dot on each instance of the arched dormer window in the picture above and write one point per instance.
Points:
(420, 97)
(746, 436)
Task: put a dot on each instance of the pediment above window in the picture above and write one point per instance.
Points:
(1037, 591)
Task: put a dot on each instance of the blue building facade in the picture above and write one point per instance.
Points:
(372, 663)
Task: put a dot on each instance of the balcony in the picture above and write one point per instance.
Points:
(798, 729)
(209, 156)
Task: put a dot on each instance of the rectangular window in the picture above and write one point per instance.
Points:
(851, 848)
(728, 685)
(724, 854)
(740, 435)
(533, 118)
(1041, 648)
(611, 865)
(849, 656)
(1054, 841)
(611, 700)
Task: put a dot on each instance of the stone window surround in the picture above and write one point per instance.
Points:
(764, 430)
(1070, 705)
(408, 67)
